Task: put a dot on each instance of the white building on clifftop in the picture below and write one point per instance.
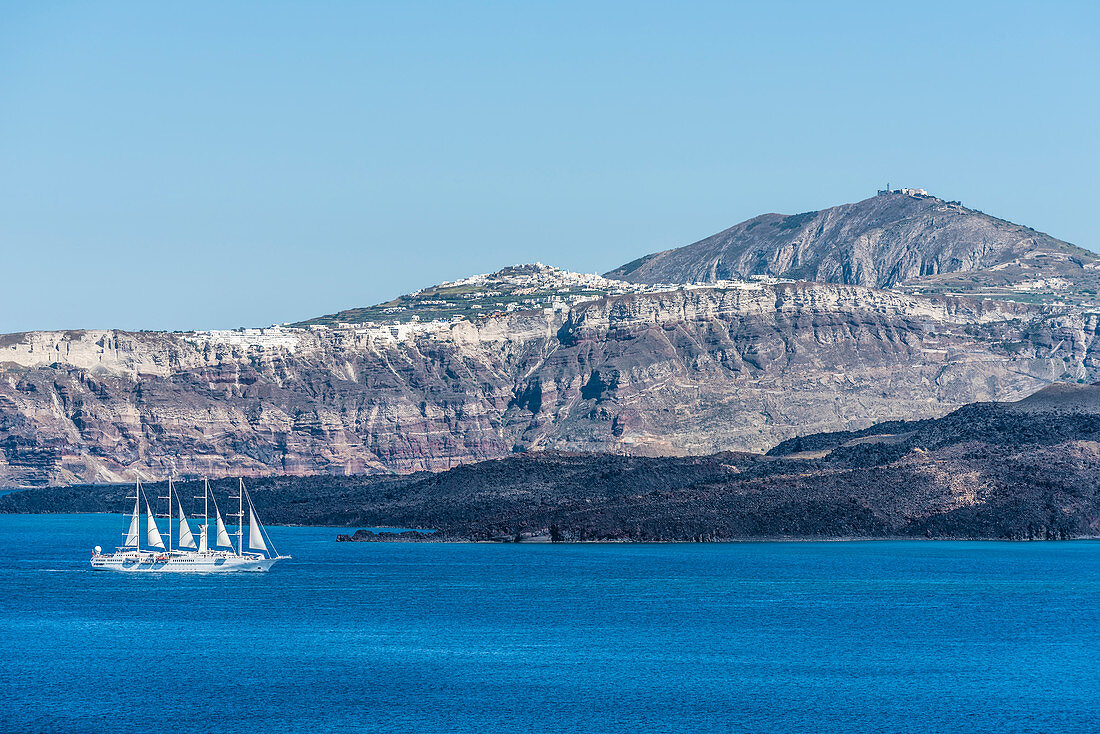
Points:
(907, 192)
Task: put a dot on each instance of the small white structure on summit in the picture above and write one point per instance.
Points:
(907, 192)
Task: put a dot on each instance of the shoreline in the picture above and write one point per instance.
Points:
(546, 541)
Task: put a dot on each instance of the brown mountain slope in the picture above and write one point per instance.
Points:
(881, 242)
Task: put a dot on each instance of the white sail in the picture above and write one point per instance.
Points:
(152, 533)
(135, 526)
(223, 536)
(206, 559)
(255, 532)
(186, 539)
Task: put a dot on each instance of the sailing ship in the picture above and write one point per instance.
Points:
(186, 555)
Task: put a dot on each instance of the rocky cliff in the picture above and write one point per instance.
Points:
(1025, 470)
(890, 239)
(1018, 471)
(691, 371)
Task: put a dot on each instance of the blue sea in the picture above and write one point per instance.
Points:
(746, 637)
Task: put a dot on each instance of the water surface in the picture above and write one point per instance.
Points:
(752, 637)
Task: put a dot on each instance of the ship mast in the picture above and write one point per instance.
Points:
(240, 516)
(205, 509)
(137, 500)
(169, 513)
(205, 501)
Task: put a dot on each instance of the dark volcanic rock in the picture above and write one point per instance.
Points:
(369, 536)
(1012, 471)
(687, 372)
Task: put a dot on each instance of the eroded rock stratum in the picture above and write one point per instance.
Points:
(690, 371)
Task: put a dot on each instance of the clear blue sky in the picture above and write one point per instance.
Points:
(212, 165)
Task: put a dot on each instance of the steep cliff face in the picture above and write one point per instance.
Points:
(103, 406)
(686, 372)
(1024, 470)
(882, 241)
(696, 372)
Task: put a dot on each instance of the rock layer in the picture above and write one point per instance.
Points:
(685, 372)
(1023, 471)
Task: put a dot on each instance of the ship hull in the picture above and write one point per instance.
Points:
(131, 562)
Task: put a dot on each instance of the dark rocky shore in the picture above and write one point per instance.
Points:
(1026, 470)
(370, 536)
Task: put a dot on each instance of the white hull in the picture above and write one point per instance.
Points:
(187, 557)
(180, 562)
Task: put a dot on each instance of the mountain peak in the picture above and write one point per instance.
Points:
(898, 238)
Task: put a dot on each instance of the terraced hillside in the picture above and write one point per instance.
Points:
(532, 287)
